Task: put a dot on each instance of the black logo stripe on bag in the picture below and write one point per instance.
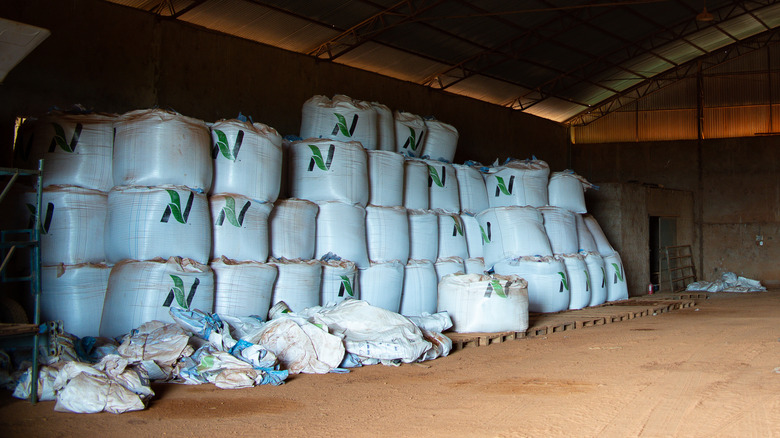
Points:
(351, 128)
(409, 140)
(508, 188)
(489, 290)
(341, 289)
(489, 232)
(46, 221)
(73, 142)
(185, 214)
(442, 178)
(190, 296)
(236, 146)
(221, 217)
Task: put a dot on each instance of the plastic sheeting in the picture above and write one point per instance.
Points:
(423, 235)
(339, 282)
(561, 228)
(141, 291)
(147, 222)
(420, 288)
(381, 285)
(518, 183)
(728, 282)
(548, 285)
(71, 224)
(474, 265)
(449, 265)
(441, 142)
(471, 189)
(443, 187)
(473, 235)
(482, 303)
(603, 245)
(247, 159)
(293, 226)
(156, 147)
(452, 238)
(386, 178)
(341, 231)
(409, 133)
(579, 280)
(301, 346)
(416, 195)
(76, 148)
(387, 234)
(385, 125)
(617, 288)
(584, 237)
(567, 190)
(242, 288)
(74, 294)
(326, 170)
(510, 232)
(598, 278)
(239, 227)
(297, 283)
(342, 119)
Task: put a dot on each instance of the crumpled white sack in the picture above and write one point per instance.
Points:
(46, 377)
(156, 343)
(728, 282)
(299, 346)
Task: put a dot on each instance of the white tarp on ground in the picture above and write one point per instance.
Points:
(728, 282)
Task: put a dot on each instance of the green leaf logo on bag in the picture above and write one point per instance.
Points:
(223, 147)
(45, 224)
(433, 176)
(177, 293)
(587, 281)
(346, 286)
(59, 139)
(618, 274)
(501, 186)
(174, 208)
(316, 158)
(206, 363)
(485, 236)
(495, 286)
(412, 141)
(229, 212)
(341, 125)
(458, 228)
(564, 282)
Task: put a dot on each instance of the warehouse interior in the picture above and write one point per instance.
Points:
(670, 107)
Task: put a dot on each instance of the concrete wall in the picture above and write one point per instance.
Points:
(115, 59)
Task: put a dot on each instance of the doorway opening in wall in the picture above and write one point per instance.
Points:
(663, 233)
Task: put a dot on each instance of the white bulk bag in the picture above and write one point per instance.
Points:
(385, 178)
(598, 279)
(247, 159)
(617, 288)
(387, 234)
(293, 226)
(511, 232)
(561, 228)
(74, 294)
(297, 283)
(327, 170)
(339, 282)
(143, 291)
(518, 182)
(584, 236)
(567, 190)
(147, 222)
(423, 235)
(76, 149)
(242, 288)
(420, 288)
(442, 187)
(448, 265)
(385, 125)
(342, 119)
(409, 133)
(452, 239)
(381, 285)
(441, 142)
(156, 147)
(482, 303)
(603, 245)
(71, 224)
(341, 230)
(474, 265)
(416, 195)
(579, 281)
(473, 234)
(548, 285)
(239, 227)
(471, 189)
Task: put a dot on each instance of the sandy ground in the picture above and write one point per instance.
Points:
(711, 370)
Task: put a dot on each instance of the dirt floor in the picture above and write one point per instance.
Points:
(709, 370)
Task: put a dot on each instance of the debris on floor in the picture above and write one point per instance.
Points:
(728, 282)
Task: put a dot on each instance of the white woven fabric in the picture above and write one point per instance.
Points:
(511, 232)
(327, 170)
(386, 178)
(409, 133)
(482, 303)
(342, 119)
(239, 227)
(548, 285)
(518, 183)
(242, 288)
(293, 225)
(441, 141)
(74, 294)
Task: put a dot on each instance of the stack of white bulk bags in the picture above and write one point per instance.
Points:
(548, 285)
(579, 280)
(386, 178)
(617, 288)
(74, 294)
(442, 187)
(341, 231)
(567, 190)
(452, 239)
(339, 282)
(342, 119)
(441, 142)
(423, 235)
(602, 244)
(385, 126)
(473, 232)
(416, 174)
(482, 303)
(598, 279)
(242, 288)
(327, 170)
(297, 283)
(142, 291)
(561, 228)
(381, 284)
(387, 234)
(420, 288)
(293, 225)
(239, 227)
(518, 183)
(471, 189)
(584, 237)
(512, 232)
(449, 265)
(409, 133)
